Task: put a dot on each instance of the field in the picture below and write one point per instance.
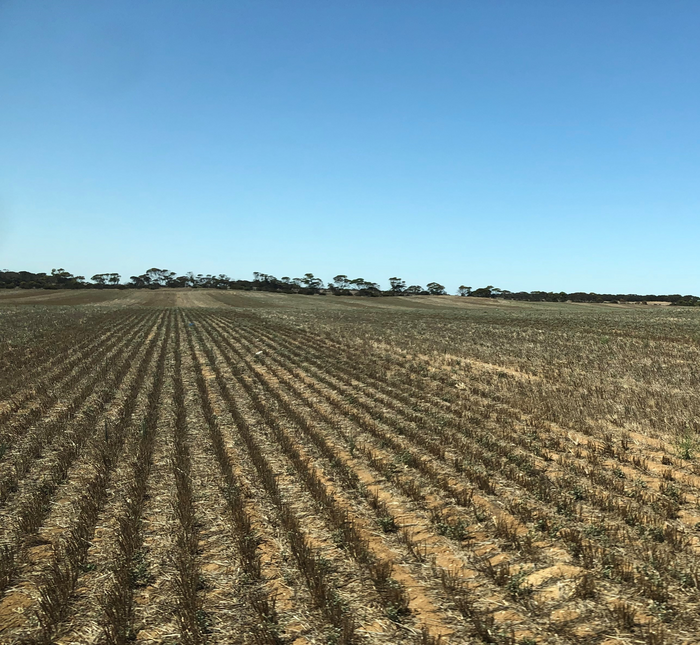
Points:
(219, 467)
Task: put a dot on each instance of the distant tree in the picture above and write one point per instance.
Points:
(436, 289)
(265, 278)
(312, 282)
(140, 281)
(154, 275)
(61, 276)
(414, 290)
(160, 277)
(362, 284)
(103, 279)
(62, 279)
(100, 279)
(397, 285)
(465, 291)
(483, 292)
(181, 281)
(341, 281)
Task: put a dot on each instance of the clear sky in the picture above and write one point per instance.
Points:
(524, 144)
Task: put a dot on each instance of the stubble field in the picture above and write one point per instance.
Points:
(219, 467)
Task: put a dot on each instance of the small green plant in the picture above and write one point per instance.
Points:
(564, 508)
(140, 571)
(672, 491)
(203, 621)
(395, 612)
(333, 636)
(455, 530)
(325, 566)
(686, 444)
(479, 514)
(388, 524)
(517, 585)
(405, 458)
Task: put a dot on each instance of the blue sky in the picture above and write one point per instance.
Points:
(529, 145)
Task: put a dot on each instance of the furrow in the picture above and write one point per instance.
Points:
(23, 407)
(52, 592)
(574, 541)
(613, 506)
(29, 511)
(21, 460)
(369, 551)
(308, 558)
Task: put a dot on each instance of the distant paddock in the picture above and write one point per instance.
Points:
(216, 298)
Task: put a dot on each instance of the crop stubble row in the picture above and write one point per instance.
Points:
(319, 490)
(622, 561)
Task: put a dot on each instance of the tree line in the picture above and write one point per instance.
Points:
(340, 285)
